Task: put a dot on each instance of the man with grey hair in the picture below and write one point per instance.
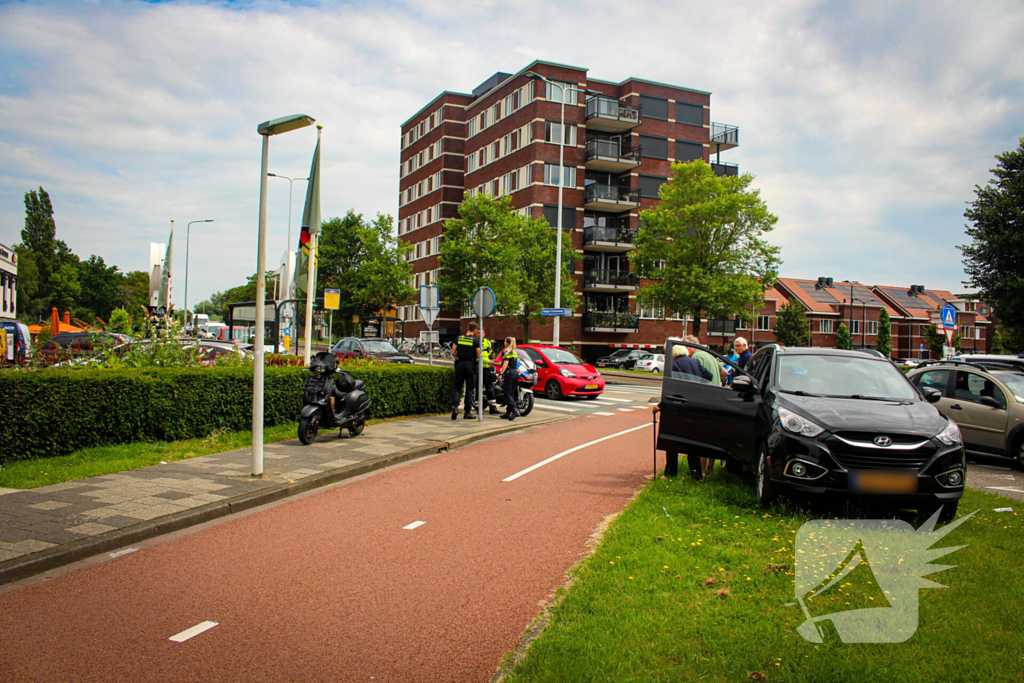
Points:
(740, 344)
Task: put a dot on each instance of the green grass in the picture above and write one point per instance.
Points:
(646, 606)
(94, 462)
(634, 372)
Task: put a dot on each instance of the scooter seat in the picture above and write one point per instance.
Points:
(360, 384)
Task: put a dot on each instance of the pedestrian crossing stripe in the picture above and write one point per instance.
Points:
(544, 406)
(606, 414)
(617, 400)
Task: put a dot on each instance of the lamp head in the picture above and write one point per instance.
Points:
(285, 124)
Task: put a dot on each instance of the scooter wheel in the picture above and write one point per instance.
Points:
(356, 429)
(308, 428)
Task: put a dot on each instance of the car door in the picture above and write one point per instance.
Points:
(983, 426)
(699, 418)
(544, 368)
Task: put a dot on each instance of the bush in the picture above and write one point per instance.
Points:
(53, 412)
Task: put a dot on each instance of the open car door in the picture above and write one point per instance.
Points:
(701, 418)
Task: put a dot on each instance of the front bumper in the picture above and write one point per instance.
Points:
(575, 386)
(831, 472)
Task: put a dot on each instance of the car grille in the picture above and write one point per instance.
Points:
(856, 457)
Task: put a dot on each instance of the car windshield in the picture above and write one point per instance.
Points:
(1014, 382)
(563, 357)
(621, 353)
(379, 347)
(843, 377)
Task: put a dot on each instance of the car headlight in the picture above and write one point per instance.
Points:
(950, 435)
(797, 424)
(568, 373)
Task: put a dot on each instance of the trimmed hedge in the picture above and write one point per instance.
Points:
(45, 413)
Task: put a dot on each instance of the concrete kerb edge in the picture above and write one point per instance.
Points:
(53, 558)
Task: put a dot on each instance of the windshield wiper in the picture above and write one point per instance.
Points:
(887, 399)
(800, 392)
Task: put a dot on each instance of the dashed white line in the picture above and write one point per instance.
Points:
(618, 400)
(417, 523)
(625, 410)
(544, 406)
(194, 631)
(602, 413)
(531, 468)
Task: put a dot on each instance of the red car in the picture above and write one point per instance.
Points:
(562, 373)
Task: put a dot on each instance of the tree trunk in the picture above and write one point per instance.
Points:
(696, 325)
(525, 322)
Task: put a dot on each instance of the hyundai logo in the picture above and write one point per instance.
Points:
(883, 441)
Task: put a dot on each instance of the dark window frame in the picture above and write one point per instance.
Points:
(650, 142)
(686, 107)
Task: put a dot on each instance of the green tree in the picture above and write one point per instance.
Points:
(791, 327)
(843, 337)
(534, 259)
(28, 285)
(49, 254)
(134, 295)
(366, 263)
(702, 246)
(120, 321)
(883, 340)
(101, 288)
(996, 345)
(935, 340)
(992, 261)
(65, 287)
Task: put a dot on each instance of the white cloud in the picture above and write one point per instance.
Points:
(867, 127)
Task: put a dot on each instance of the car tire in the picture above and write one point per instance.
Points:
(553, 390)
(763, 485)
(1017, 452)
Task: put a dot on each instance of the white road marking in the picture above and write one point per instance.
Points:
(119, 553)
(415, 524)
(625, 410)
(544, 406)
(618, 400)
(194, 631)
(604, 402)
(531, 468)
(1005, 488)
(602, 414)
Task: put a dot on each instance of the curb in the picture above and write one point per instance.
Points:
(53, 558)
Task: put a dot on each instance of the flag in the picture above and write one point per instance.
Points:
(165, 274)
(310, 223)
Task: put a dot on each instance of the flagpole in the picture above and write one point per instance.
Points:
(314, 244)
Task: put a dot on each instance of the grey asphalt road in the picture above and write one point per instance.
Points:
(996, 475)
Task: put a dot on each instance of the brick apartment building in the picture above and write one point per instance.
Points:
(502, 139)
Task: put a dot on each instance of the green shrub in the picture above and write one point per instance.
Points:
(54, 412)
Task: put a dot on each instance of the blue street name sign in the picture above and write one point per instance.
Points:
(556, 312)
(948, 314)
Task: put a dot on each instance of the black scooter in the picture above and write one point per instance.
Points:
(351, 407)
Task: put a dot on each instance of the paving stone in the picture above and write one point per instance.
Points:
(49, 505)
(172, 495)
(91, 529)
(9, 554)
(32, 546)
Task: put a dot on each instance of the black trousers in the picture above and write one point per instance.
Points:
(465, 373)
(672, 465)
(490, 379)
(510, 380)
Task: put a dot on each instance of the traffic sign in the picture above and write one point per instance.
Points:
(332, 299)
(556, 312)
(949, 332)
(948, 314)
(429, 315)
(483, 302)
(429, 296)
(287, 331)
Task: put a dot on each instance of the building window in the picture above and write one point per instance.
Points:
(856, 327)
(654, 148)
(690, 114)
(741, 324)
(764, 322)
(825, 326)
(689, 151)
(654, 108)
(554, 92)
(923, 331)
(872, 327)
(568, 216)
(551, 129)
(652, 312)
(649, 185)
(965, 332)
(551, 175)
(472, 128)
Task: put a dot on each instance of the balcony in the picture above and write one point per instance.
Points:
(599, 321)
(609, 281)
(611, 156)
(610, 198)
(722, 168)
(724, 136)
(598, 238)
(609, 115)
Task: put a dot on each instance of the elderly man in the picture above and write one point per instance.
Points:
(717, 372)
(740, 344)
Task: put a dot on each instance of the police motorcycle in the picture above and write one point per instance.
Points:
(526, 372)
(351, 405)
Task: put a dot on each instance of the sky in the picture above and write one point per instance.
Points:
(867, 125)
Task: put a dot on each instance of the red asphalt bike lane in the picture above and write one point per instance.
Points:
(330, 587)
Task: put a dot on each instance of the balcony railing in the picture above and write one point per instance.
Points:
(725, 135)
(607, 113)
(595, 192)
(722, 168)
(612, 149)
(610, 278)
(620, 322)
(597, 233)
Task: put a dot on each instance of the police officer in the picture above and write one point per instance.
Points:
(510, 376)
(467, 353)
(489, 378)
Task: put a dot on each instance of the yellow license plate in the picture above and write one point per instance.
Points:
(882, 481)
(591, 387)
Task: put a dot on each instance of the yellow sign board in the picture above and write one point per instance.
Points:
(332, 299)
(3, 344)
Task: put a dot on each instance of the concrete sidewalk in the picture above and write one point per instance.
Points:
(48, 527)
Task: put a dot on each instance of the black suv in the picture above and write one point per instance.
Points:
(623, 359)
(819, 421)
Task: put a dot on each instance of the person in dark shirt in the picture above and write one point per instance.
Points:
(683, 364)
(740, 345)
(467, 352)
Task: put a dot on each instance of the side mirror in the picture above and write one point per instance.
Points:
(541, 364)
(742, 384)
(931, 395)
(990, 402)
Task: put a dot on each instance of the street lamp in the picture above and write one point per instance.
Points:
(864, 314)
(285, 124)
(188, 229)
(561, 182)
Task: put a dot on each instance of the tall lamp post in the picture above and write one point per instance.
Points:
(561, 183)
(188, 229)
(864, 314)
(291, 285)
(285, 124)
